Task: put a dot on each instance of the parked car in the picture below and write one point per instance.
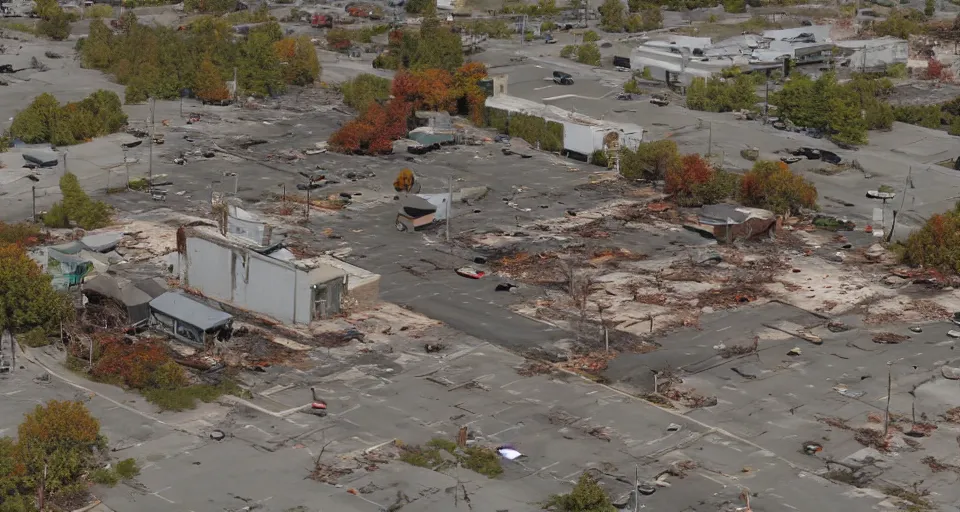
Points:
(561, 78)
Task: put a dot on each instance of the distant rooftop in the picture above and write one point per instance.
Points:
(197, 314)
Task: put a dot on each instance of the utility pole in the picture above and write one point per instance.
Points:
(33, 192)
(307, 213)
(236, 87)
(636, 485)
(903, 198)
(710, 140)
(126, 165)
(65, 163)
(153, 103)
(449, 205)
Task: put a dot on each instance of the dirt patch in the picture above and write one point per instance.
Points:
(889, 338)
(532, 368)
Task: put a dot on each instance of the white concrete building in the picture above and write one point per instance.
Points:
(581, 134)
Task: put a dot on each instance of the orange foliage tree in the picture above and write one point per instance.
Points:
(692, 171)
(433, 89)
(57, 439)
(771, 185)
(694, 182)
(132, 364)
(210, 85)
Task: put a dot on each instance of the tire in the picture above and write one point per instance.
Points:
(401, 226)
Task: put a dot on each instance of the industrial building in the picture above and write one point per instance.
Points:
(269, 280)
(581, 135)
(680, 59)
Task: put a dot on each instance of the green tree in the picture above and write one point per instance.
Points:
(880, 116)
(590, 36)
(26, 297)
(612, 16)
(929, 8)
(954, 126)
(418, 6)
(56, 27)
(33, 124)
(845, 118)
(634, 5)
(652, 17)
(365, 89)
(437, 47)
(735, 6)
(586, 496)
(568, 51)
(258, 70)
(651, 160)
(588, 54)
(87, 213)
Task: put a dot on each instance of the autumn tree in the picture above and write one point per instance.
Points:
(298, 58)
(695, 182)
(772, 186)
(27, 298)
(937, 243)
(258, 69)
(210, 87)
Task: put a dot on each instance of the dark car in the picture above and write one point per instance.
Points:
(562, 78)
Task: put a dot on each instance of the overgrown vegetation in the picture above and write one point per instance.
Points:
(54, 22)
(364, 90)
(718, 94)
(161, 62)
(58, 445)
(22, 233)
(900, 23)
(494, 28)
(651, 160)
(45, 120)
(432, 47)
(342, 38)
(475, 458)
(936, 244)
(835, 109)
(76, 207)
(374, 131)
(146, 366)
(586, 496)
(695, 182)
(772, 186)
(641, 17)
(27, 299)
(587, 53)
(97, 11)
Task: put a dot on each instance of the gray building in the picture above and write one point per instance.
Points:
(188, 320)
(262, 280)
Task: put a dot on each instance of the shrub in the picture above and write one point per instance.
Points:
(586, 496)
(934, 69)
(937, 243)
(23, 233)
(695, 182)
(568, 51)
(56, 217)
(897, 70)
(36, 337)
(954, 126)
(735, 6)
(772, 186)
(599, 157)
(365, 89)
(588, 54)
(127, 469)
(719, 94)
(632, 87)
(98, 11)
(65, 432)
(651, 160)
(590, 37)
(45, 120)
(104, 476)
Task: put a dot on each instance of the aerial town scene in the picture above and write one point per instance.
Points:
(479, 255)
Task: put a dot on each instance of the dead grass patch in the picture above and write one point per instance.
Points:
(889, 338)
(928, 309)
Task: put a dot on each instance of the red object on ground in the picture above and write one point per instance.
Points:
(470, 273)
(868, 229)
(318, 405)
